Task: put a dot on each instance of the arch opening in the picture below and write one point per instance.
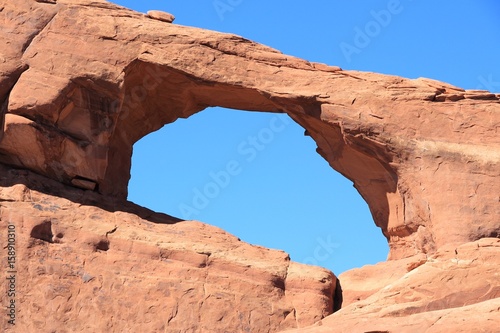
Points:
(155, 94)
(258, 177)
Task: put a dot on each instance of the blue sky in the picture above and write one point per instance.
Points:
(255, 174)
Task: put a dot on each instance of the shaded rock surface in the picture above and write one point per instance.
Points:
(82, 81)
(83, 268)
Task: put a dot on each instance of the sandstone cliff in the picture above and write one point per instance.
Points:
(82, 81)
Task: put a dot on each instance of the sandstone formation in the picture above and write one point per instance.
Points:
(82, 81)
(161, 16)
(88, 264)
(454, 290)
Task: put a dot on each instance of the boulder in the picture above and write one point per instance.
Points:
(161, 16)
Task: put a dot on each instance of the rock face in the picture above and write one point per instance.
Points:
(454, 290)
(82, 81)
(84, 265)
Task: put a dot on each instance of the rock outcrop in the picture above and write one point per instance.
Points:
(82, 81)
(85, 263)
(454, 290)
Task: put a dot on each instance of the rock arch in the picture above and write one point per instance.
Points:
(423, 154)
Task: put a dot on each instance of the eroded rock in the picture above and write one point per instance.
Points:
(82, 81)
(79, 93)
(455, 290)
(86, 268)
(161, 16)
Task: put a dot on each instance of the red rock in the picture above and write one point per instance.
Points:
(84, 266)
(82, 81)
(161, 16)
(455, 290)
(418, 151)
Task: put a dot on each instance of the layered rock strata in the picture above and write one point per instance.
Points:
(457, 289)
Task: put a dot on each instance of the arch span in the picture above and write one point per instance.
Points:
(158, 95)
(423, 154)
(176, 95)
(256, 176)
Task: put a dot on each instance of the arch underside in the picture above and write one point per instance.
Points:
(162, 95)
(423, 154)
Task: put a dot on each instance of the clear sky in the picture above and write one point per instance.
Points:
(278, 192)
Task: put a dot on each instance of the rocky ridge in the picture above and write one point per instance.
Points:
(90, 264)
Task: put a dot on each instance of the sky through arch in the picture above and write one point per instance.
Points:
(263, 182)
(456, 42)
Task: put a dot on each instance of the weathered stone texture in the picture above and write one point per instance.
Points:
(90, 264)
(82, 81)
